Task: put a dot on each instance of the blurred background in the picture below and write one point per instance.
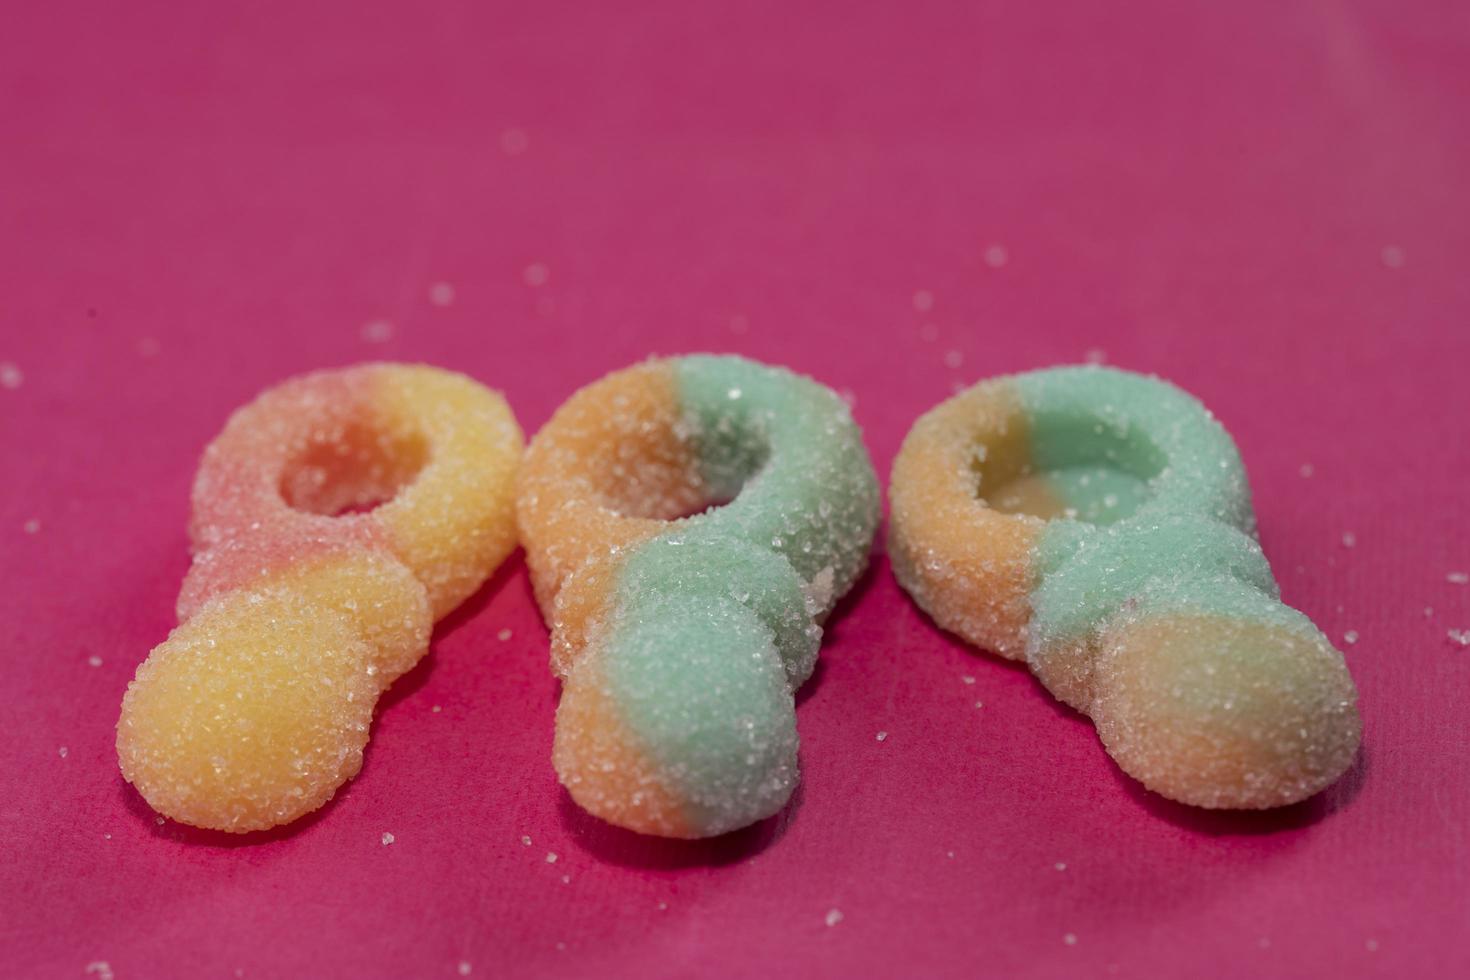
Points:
(1265, 202)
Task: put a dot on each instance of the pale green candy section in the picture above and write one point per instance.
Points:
(1173, 523)
(789, 454)
(705, 692)
(1166, 451)
(1183, 559)
(700, 562)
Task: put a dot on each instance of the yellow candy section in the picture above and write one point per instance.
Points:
(253, 712)
(455, 521)
(965, 564)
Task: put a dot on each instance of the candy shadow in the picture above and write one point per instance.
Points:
(1251, 823)
(627, 849)
(172, 830)
(475, 604)
(1212, 823)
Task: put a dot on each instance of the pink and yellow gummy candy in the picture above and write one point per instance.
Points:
(302, 606)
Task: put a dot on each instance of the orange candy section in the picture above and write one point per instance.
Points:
(967, 566)
(607, 471)
(599, 764)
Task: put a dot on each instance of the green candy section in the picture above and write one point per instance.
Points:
(700, 684)
(789, 454)
(716, 620)
(1171, 521)
(1153, 444)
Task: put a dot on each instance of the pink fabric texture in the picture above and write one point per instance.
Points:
(1265, 203)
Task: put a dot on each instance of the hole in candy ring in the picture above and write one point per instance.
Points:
(355, 471)
(654, 477)
(1080, 466)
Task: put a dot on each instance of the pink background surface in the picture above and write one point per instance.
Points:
(198, 200)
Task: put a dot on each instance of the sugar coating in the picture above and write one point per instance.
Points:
(295, 617)
(1098, 525)
(681, 639)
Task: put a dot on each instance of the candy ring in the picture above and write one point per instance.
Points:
(302, 605)
(1098, 525)
(680, 640)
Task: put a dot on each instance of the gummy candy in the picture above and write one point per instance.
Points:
(304, 602)
(1098, 525)
(680, 639)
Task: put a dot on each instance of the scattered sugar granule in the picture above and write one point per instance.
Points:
(949, 854)
(1428, 612)
(663, 906)
(550, 857)
(388, 838)
(566, 879)
(514, 141)
(953, 358)
(536, 275)
(377, 331)
(159, 821)
(923, 301)
(882, 736)
(1060, 865)
(996, 256)
(436, 709)
(61, 751)
(101, 969)
(1371, 945)
(979, 704)
(465, 968)
(1070, 939)
(441, 294)
(504, 635)
(1349, 539)
(1306, 470)
(833, 917)
(1462, 637)
(107, 837)
(10, 375)
(968, 679)
(94, 661)
(1095, 355)
(1458, 578)
(1392, 256)
(32, 526)
(526, 839)
(1351, 636)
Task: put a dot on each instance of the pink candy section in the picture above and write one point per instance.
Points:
(242, 528)
(1264, 202)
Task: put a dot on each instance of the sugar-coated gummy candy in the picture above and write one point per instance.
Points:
(1098, 525)
(680, 633)
(304, 602)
